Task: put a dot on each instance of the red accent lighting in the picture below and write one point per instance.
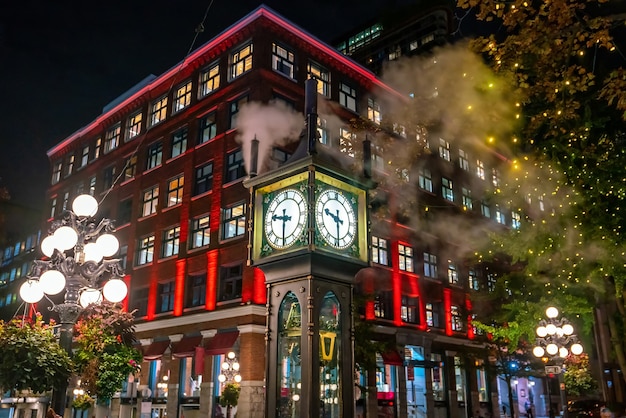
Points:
(447, 305)
(179, 288)
(211, 280)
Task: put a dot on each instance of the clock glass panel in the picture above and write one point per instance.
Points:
(285, 219)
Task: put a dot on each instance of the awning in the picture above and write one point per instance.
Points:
(221, 343)
(392, 358)
(186, 347)
(155, 350)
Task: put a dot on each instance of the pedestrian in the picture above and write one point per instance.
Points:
(529, 408)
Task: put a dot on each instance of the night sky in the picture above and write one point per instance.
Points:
(62, 61)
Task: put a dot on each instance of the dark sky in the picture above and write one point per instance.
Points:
(61, 61)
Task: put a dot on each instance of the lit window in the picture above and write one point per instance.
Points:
(171, 242)
(322, 75)
(480, 169)
(373, 111)
(463, 160)
(158, 111)
(379, 251)
(485, 210)
(133, 126)
(425, 180)
(346, 141)
(208, 128)
(155, 155)
(409, 310)
(283, 60)
(66, 201)
(432, 315)
(56, 171)
(467, 199)
(130, 167)
(230, 282)
(112, 138)
(444, 149)
(491, 281)
(175, 190)
(495, 177)
(516, 220)
(500, 216)
(150, 201)
(204, 179)
(446, 189)
(92, 186)
(395, 52)
(430, 265)
(347, 96)
(453, 274)
(541, 204)
(84, 159)
(383, 305)
(69, 167)
(235, 168)
(96, 149)
(405, 258)
(182, 97)
(233, 221)
(241, 61)
(209, 80)
(145, 250)
(322, 131)
(179, 142)
(53, 207)
(474, 283)
(200, 232)
(457, 322)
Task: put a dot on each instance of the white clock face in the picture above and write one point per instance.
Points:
(285, 219)
(335, 218)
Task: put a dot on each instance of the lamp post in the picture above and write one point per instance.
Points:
(555, 341)
(230, 374)
(77, 252)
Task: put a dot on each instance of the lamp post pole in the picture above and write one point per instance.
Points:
(556, 340)
(77, 251)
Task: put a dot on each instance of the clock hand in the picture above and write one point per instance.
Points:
(337, 222)
(283, 218)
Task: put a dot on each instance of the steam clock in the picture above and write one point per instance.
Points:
(310, 239)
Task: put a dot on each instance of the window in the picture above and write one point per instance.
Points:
(171, 242)
(453, 274)
(446, 189)
(150, 201)
(491, 281)
(541, 204)
(463, 160)
(209, 80)
(432, 315)
(346, 141)
(322, 131)
(182, 97)
(122, 255)
(516, 220)
(139, 301)
(230, 282)
(444, 149)
(155, 155)
(166, 297)
(108, 177)
(130, 167)
(175, 190)
(96, 149)
(124, 211)
(66, 201)
(283, 60)
(233, 221)
(145, 250)
(500, 216)
(457, 322)
(430, 265)
(322, 75)
(495, 177)
(409, 310)
(80, 188)
(379, 251)
(425, 180)
(204, 179)
(235, 168)
(84, 159)
(208, 128)
(158, 111)
(53, 207)
(69, 167)
(467, 198)
(405, 258)
(179, 142)
(485, 210)
(347, 96)
(373, 111)
(241, 61)
(279, 155)
(480, 169)
(474, 283)
(92, 186)
(235, 107)
(200, 232)
(395, 52)
(383, 305)
(133, 126)
(56, 171)
(112, 138)
(196, 290)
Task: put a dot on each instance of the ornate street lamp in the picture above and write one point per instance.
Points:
(78, 252)
(230, 369)
(555, 341)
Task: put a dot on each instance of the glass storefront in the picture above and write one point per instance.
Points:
(330, 347)
(415, 382)
(289, 361)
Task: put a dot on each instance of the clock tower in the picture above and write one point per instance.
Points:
(310, 238)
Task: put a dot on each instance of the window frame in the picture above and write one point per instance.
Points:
(233, 222)
(347, 96)
(150, 201)
(170, 242)
(241, 64)
(211, 82)
(406, 260)
(182, 96)
(145, 250)
(133, 125)
(158, 110)
(205, 179)
(200, 227)
(179, 141)
(283, 60)
(175, 190)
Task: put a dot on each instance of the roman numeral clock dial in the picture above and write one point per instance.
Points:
(336, 219)
(285, 219)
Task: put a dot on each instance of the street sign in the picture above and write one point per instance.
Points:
(553, 369)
